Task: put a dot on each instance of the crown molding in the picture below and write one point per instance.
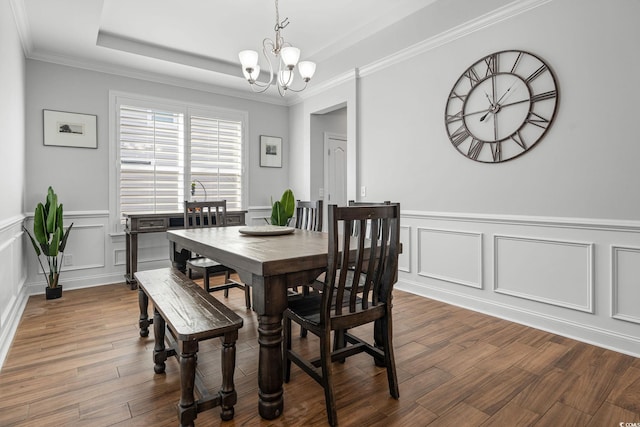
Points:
(321, 87)
(22, 25)
(503, 13)
(155, 78)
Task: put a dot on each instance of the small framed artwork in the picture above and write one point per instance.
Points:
(270, 151)
(70, 129)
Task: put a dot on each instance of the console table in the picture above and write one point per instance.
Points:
(156, 223)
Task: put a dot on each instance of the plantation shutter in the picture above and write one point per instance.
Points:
(151, 160)
(216, 159)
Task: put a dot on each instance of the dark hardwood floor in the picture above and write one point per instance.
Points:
(79, 361)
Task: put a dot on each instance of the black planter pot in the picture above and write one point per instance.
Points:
(53, 293)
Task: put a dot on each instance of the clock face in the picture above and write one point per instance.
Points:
(501, 106)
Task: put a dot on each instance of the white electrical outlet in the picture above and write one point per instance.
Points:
(363, 191)
(321, 192)
(68, 260)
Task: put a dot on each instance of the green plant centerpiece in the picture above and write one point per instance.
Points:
(282, 210)
(49, 238)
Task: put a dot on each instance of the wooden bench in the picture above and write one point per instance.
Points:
(191, 315)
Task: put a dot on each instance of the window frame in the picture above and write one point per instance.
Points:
(116, 98)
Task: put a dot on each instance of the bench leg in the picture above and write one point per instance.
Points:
(143, 302)
(187, 409)
(159, 350)
(228, 393)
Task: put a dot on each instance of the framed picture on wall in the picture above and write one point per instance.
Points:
(270, 151)
(70, 129)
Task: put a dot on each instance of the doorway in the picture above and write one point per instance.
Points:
(335, 169)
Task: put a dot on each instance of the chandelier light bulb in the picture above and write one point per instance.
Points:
(251, 78)
(307, 69)
(285, 78)
(248, 59)
(290, 56)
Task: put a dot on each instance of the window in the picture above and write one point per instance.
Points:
(167, 153)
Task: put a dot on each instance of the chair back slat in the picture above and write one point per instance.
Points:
(205, 214)
(362, 268)
(309, 215)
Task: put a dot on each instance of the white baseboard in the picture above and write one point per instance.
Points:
(609, 339)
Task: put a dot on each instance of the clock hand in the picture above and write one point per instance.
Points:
(508, 91)
(489, 98)
(473, 113)
(497, 105)
(514, 103)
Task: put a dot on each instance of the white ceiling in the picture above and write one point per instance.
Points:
(193, 40)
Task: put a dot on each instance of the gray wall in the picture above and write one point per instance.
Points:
(95, 250)
(549, 239)
(81, 175)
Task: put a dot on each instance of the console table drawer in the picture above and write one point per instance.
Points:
(237, 219)
(151, 224)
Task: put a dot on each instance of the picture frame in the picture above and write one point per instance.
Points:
(64, 129)
(270, 151)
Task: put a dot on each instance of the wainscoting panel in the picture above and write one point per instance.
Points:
(6, 279)
(404, 260)
(625, 283)
(575, 277)
(13, 268)
(449, 255)
(547, 271)
(85, 247)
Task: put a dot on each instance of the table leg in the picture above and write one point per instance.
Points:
(143, 323)
(269, 301)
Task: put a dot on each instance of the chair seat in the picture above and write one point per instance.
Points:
(305, 310)
(211, 265)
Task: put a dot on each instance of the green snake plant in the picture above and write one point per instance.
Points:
(50, 238)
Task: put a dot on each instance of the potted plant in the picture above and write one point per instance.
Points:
(49, 239)
(282, 210)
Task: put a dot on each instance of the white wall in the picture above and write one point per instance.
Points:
(550, 239)
(12, 146)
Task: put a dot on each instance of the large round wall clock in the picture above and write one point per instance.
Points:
(501, 106)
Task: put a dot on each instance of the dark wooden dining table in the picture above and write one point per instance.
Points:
(270, 264)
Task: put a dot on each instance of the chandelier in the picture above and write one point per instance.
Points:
(287, 57)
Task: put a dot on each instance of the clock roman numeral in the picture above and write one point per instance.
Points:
(456, 96)
(472, 76)
(545, 95)
(496, 151)
(517, 138)
(492, 64)
(515, 64)
(460, 135)
(474, 149)
(451, 118)
(537, 120)
(536, 74)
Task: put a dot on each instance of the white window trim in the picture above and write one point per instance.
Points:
(116, 97)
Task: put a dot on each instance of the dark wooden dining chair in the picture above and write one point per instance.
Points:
(336, 309)
(211, 214)
(309, 215)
